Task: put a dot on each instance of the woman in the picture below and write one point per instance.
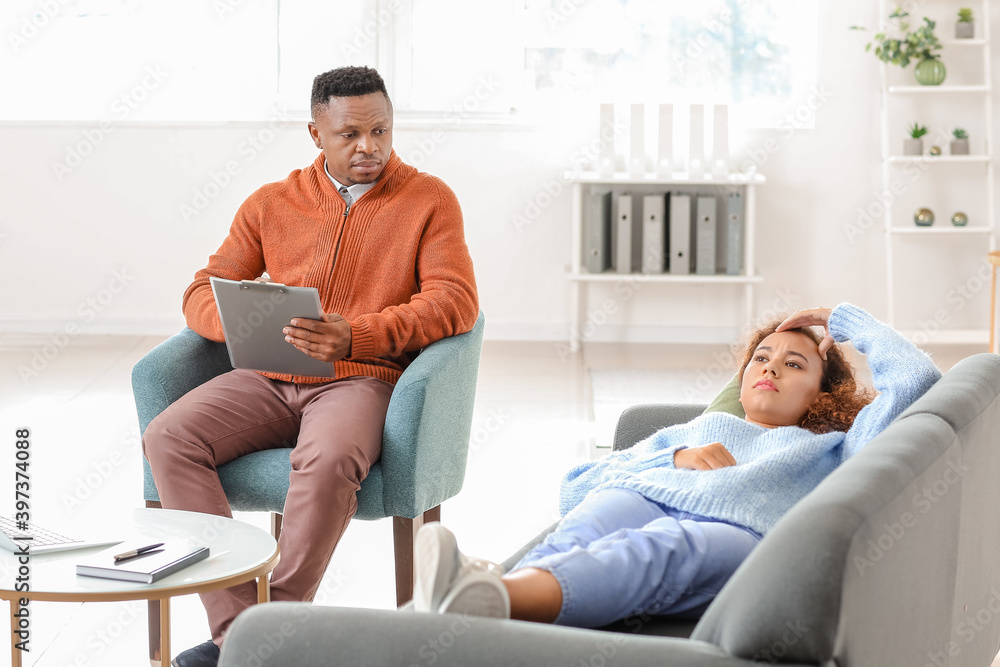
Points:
(659, 528)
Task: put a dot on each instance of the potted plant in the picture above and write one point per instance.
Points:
(966, 26)
(900, 45)
(915, 144)
(960, 144)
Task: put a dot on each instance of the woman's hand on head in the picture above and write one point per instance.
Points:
(707, 457)
(811, 317)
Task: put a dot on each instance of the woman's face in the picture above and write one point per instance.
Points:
(782, 379)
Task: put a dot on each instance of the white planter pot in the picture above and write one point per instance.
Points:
(965, 30)
(913, 146)
(959, 146)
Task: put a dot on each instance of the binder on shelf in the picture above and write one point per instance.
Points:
(653, 234)
(680, 233)
(705, 229)
(636, 235)
(622, 239)
(734, 234)
(597, 232)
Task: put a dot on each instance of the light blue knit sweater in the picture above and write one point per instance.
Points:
(775, 467)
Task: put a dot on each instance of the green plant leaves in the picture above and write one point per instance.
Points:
(919, 44)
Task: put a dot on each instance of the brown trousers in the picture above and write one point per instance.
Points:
(337, 431)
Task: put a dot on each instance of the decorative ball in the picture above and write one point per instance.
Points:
(960, 219)
(924, 217)
(935, 150)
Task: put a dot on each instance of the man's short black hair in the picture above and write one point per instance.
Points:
(346, 82)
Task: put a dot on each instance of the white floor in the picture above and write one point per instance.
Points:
(538, 412)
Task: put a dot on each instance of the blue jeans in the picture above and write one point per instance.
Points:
(619, 555)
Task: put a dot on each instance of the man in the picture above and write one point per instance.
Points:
(385, 247)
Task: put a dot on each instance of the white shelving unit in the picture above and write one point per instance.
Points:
(622, 183)
(899, 223)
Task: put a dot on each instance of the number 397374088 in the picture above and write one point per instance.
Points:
(22, 479)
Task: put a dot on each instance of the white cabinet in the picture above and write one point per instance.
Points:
(935, 292)
(590, 184)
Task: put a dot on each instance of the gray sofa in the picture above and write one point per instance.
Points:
(893, 560)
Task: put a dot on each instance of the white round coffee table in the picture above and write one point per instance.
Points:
(239, 553)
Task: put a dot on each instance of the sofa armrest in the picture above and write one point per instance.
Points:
(641, 421)
(428, 424)
(289, 634)
(172, 369)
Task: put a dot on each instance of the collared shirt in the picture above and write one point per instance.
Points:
(356, 191)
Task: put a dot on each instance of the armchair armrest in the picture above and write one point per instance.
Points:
(428, 424)
(641, 421)
(172, 369)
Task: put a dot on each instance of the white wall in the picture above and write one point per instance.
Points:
(107, 249)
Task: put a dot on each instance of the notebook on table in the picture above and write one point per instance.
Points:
(169, 557)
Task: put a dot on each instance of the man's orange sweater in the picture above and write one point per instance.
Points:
(396, 267)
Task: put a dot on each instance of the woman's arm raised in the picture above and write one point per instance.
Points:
(901, 372)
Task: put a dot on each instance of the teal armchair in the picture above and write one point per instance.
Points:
(424, 445)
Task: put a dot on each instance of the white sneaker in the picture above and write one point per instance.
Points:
(448, 582)
(437, 561)
(477, 593)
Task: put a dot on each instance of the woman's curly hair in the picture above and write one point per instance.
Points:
(836, 409)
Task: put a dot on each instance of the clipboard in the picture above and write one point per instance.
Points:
(253, 315)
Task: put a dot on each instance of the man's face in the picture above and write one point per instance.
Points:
(782, 379)
(355, 135)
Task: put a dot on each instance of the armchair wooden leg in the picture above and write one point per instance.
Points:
(276, 525)
(404, 531)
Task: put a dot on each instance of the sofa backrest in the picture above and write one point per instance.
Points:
(891, 560)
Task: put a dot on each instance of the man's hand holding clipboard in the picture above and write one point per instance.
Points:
(327, 340)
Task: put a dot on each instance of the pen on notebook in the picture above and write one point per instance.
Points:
(136, 552)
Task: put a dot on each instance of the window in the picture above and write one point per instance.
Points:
(457, 57)
(315, 36)
(221, 60)
(759, 57)
(534, 56)
(116, 60)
